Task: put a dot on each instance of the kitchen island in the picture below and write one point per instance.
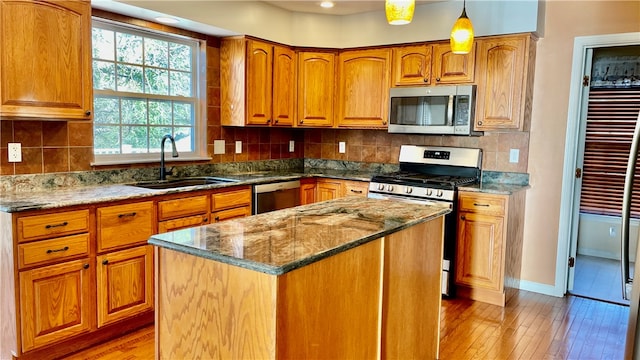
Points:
(351, 278)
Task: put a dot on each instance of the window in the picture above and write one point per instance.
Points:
(145, 85)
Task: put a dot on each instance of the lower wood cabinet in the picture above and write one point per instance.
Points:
(328, 189)
(55, 303)
(307, 191)
(489, 246)
(231, 203)
(124, 283)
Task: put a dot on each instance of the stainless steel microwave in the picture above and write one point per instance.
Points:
(438, 110)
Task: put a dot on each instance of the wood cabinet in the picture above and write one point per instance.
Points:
(355, 188)
(45, 64)
(307, 191)
(431, 64)
(124, 283)
(328, 189)
(183, 212)
(231, 203)
(505, 82)
(124, 225)
(257, 83)
(363, 88)
(316, 88)
(489, 246)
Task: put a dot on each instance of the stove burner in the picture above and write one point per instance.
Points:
(404, 177)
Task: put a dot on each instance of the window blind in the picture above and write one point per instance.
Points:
(611, 119)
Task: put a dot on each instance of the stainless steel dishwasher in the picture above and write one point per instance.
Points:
(275, 196)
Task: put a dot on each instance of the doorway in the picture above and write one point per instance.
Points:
(595, 163)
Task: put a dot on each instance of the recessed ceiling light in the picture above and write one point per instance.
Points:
(327, 4)
(167, 20)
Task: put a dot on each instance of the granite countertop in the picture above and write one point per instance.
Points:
(283, 240)
(494, 188)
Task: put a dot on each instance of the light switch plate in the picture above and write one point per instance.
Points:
(15, 152)
(514, 155)
(218, 147)
(238, 147)
(292, 145)
(342, 147)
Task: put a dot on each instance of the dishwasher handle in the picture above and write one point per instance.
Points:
(277, 186)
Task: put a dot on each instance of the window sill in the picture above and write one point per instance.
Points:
(168, 160)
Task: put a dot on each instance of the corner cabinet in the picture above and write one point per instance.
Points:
(363, 88)
(257, 83)
(45, 62)
(316, 88)
(505, 82)
(489, 246)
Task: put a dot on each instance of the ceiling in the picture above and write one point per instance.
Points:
(342, 7)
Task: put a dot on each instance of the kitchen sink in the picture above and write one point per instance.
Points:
(182, 182)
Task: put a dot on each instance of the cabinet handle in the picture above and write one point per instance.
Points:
(205, 219)
(105, 262)
(50, 226)
(88, 112)
(57, 250)
(301, 121)
(484, 205)
(86, 266)
(131, 214)
(462, 217)
(356, 191)
(217, 218)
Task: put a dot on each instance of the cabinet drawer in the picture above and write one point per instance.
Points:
(182, 223)
(231, 214)
(123, 225)
(171, 209)
(52, 225)
(355, 188)
(482, 203)
(231, 199)
(48, 251)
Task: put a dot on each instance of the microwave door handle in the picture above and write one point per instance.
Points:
(450, 111)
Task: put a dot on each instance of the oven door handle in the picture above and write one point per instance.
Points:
(372, 195)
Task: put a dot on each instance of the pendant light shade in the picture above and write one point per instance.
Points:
(399, 12)
(462, 34)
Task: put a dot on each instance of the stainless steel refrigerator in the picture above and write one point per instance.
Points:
(630, 290)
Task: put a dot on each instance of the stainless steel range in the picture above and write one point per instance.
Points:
(430, 174)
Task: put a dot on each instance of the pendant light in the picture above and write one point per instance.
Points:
(399, 12)
(462, 33)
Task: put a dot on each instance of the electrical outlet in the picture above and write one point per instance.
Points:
(292, 145)
(342, 147)
(514, 155)
(612, 231)
(15, 152)
(218, 147)
(238, 147)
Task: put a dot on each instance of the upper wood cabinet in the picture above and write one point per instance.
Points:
(45, 63)
(363, 88)
(431, 64)
(316, 88)
(505, 82)
(257, 83)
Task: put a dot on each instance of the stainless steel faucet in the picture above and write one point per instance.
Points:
(174, 153)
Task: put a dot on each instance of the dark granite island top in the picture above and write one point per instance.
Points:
(284, 240)
(350, 278)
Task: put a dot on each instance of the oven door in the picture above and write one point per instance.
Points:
(447, 283)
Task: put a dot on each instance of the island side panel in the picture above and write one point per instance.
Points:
(411, 296)
(211, 310)
(330, 309)
(8, 326)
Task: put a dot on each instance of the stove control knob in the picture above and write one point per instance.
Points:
(428, 192)
(439, 193)
(408, 189)
(380, 186)
(390, 187)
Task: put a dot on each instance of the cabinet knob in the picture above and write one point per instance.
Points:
(268, 121)
(437, 79)
(301, 121)
(217, 218)
(384, 122)
(462, 217)
(105, 262)
(426, 79)
(85, 266)
(205, 219)
(88, 113)
(480, 122)
(277, 121)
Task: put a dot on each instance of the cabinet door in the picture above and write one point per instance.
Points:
(363, 95)
(259, 82)
(307, 193)
(355, 188)
(450, 68)
(229, 214)
(479, 251)
(327, 189)
(316, 87)
(412, 65)
(284, 86)
(55, 303)
(501, 83)
(125, 283)
(45, 64)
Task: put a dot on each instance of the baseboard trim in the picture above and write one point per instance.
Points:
(540, 288)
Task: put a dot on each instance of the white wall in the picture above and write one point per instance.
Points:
(596, 239)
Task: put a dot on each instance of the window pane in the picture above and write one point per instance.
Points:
(130, 78)
(156, 53)
(180, 56)
(103, 44)
(104, 75)
(180, 84)
(157, 81)
(106, 139)
(134, 111)
(134, 140)
(129, 48)
(184, 138)
(106, 110)
(182, 113)
(155, 137)
(160, 112)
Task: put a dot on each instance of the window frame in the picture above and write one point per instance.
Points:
(199, 82)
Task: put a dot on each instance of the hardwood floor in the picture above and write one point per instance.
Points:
(531, 326)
